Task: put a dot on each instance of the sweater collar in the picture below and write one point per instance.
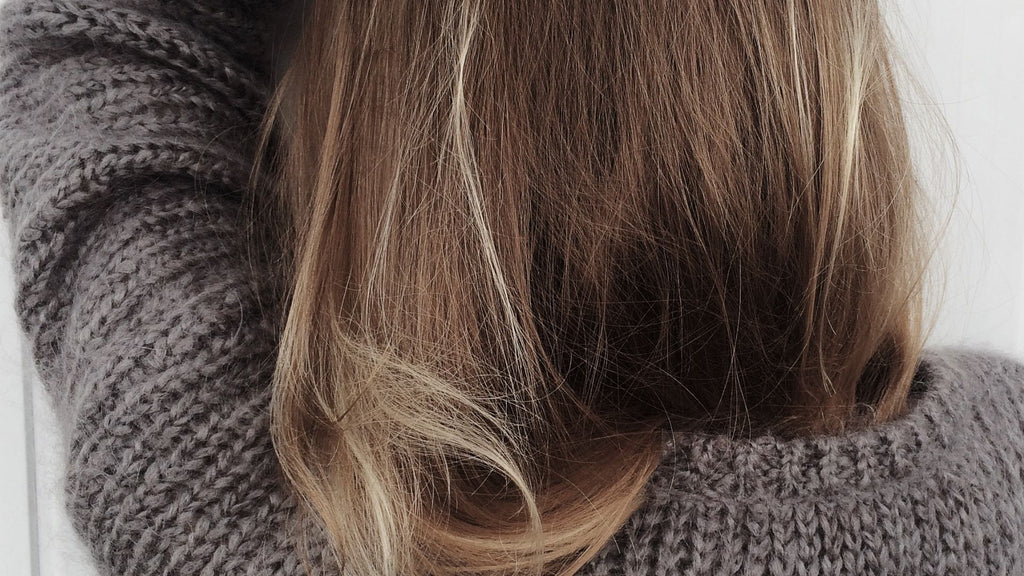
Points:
(936, 491)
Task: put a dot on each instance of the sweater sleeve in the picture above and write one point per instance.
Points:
(126, 134)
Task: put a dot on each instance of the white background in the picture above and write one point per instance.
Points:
(969, 56)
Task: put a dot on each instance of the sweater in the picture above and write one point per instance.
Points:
(127, 129)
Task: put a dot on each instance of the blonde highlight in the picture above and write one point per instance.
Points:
(509, 276)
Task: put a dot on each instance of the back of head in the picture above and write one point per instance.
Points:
(525, 238)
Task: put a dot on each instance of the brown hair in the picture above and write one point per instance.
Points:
(523, 239)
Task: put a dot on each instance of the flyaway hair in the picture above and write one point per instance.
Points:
(524, 240)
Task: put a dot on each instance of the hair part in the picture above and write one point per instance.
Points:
(518, 249)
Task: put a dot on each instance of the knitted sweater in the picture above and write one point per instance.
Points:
(126, 134)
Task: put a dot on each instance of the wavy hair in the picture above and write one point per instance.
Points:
(522, 241)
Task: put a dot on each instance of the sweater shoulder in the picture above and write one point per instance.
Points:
(974, 370)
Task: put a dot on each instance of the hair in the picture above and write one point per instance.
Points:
(523, 241)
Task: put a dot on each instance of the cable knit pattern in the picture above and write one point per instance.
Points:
(126, 134)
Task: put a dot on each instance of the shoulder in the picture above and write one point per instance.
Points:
(972, 370)
(979, 395)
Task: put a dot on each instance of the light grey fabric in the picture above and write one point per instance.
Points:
(126, 129)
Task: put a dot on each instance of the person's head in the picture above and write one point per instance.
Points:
(526, 239)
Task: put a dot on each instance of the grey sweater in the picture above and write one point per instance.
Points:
(126, 133)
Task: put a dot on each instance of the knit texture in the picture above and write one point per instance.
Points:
(126, 135)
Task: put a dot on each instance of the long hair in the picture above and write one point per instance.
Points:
(523, 240)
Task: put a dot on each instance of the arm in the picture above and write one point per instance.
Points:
(126, 129)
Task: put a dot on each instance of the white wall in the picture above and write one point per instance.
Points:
(970, 55)
(17, 493)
